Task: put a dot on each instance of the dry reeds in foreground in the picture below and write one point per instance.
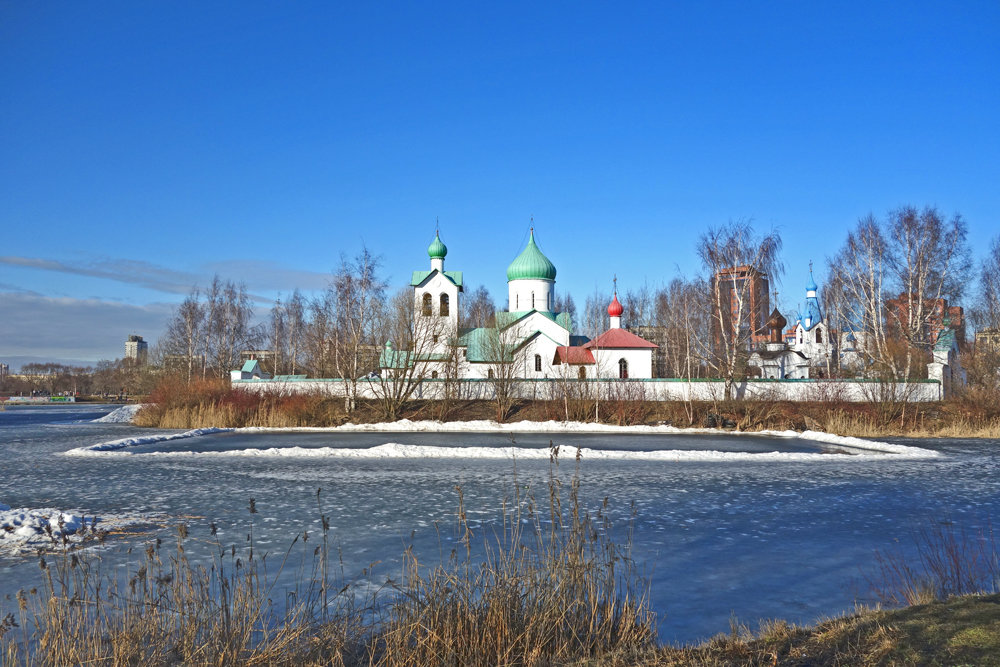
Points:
(549, 586)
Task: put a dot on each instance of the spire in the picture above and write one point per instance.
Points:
(615, 308)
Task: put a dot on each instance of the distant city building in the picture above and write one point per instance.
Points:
(936, 312)
(743, 296)
(136, 349)
(988, 339)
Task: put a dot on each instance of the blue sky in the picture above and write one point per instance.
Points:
(146, 146)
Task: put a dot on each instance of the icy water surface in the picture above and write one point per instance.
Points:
(783, 537)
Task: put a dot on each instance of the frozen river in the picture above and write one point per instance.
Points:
(742, 531)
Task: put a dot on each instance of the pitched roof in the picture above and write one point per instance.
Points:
(250, 366)
(620, 339)
(506, 318)
(419, 277)
(572, 354)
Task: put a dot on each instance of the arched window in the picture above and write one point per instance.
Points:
(538, 363)
(582, 373)
(517, 301)
(444, 305)
(623, 368)
(532, 300)
(489, 373)
(819, 336)
(800, 337)
(434, 374)
(428, 307)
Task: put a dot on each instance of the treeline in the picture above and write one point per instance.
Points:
(705, 326)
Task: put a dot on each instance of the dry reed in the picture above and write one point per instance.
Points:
(548, 587)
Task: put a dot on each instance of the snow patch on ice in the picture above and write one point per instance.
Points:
(122, 443)
(122, 415)
(394, 450)
(865, 449)
(25, 530)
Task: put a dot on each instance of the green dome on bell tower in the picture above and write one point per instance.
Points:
(437, 249)
(531, 264)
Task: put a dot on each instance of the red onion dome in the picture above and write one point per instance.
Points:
(615, 309)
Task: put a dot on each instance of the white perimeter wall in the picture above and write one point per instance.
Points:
(657, 389)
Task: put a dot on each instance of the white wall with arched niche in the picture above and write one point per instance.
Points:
(531, 294)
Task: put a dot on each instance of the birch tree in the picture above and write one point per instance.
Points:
(734, 311)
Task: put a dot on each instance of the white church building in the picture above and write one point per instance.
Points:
(529, 340)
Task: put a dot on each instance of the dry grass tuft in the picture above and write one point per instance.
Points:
(549, 587)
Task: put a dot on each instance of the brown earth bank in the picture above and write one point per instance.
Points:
(959, 631)
(974, 414)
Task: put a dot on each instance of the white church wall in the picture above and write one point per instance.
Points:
(655, 389)
(530, 294)
(640, 362)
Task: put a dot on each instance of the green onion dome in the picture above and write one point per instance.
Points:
(437, 250)
(531, 264)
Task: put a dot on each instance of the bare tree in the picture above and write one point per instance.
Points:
(916, 255)
(408, 357)
(737, 260)
(184, 338)
(477, 309)
(595, 314)
(229, 313)
(503, 348)
(358, 299)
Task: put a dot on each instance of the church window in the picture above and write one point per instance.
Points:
(435, 338)
(538, 363)
(582, 373)
(434, 374)
(532, 300)
(489, 373)
(819, 336)
(800, 337)
(517, 301)
(623, 368)
(445, 305)
(427, 305)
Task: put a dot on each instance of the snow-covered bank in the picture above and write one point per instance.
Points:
(864, 449)
(122, 415)
(24, 530)
(122, 443)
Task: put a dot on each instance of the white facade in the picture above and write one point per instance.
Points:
(531, 294)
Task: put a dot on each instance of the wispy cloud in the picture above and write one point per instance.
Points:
(258, 275)
(61, 328)
(130, 271)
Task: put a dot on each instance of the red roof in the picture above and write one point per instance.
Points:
(573, 354)
(619, 339)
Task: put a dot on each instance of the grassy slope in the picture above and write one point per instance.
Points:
(960, 631)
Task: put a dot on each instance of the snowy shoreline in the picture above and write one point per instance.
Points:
(28, 530)
(866, 449)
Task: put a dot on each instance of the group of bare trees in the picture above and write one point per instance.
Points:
(705, 326)
(888, 279)
(209, 331)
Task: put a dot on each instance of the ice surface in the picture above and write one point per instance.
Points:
(396, 450)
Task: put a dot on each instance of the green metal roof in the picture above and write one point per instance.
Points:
(504, 319)
(420, 276)
(531, 264)
(437, 250)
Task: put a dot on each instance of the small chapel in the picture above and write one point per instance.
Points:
(529, 338)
